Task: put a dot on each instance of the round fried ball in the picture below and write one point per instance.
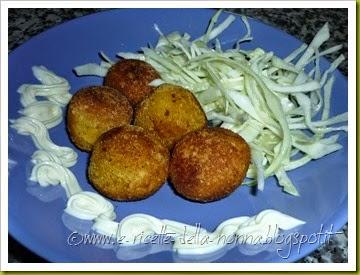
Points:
(128, 163)
(209, 164)
(172, 112)
(132, 77)
(95, 110)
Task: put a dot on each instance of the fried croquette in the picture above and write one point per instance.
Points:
(172, 112)
(209, 164)
(132, 77)
(128, 163)
(95, 110)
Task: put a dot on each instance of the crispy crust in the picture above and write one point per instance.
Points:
(131, 77)
(93, 111)
(128, 163)
(209, 164)
(172, 112)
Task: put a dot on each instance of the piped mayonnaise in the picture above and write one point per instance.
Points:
(54, 88)
(51, 173)
(30, 126)
(49, 113)
(258, 229)
(89, 205)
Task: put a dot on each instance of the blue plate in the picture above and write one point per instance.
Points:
(36, 214)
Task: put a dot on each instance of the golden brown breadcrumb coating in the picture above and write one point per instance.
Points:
(128, 163)
(132, 77)
(209, 164)
(94, 110)
(172, 112)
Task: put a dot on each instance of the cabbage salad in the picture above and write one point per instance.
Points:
(271, 102)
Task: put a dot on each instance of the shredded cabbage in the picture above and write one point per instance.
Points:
(271, 102)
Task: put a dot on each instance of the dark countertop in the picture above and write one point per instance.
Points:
(301, 23)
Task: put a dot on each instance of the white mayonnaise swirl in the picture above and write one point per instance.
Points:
(50, 160)
(41, 155)
(53, 87)
(50, 173)
(105, 226)
(40, 135)
(56, 93)
(131, 226)
(249, 230)
(89, 205)
(49, 113)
